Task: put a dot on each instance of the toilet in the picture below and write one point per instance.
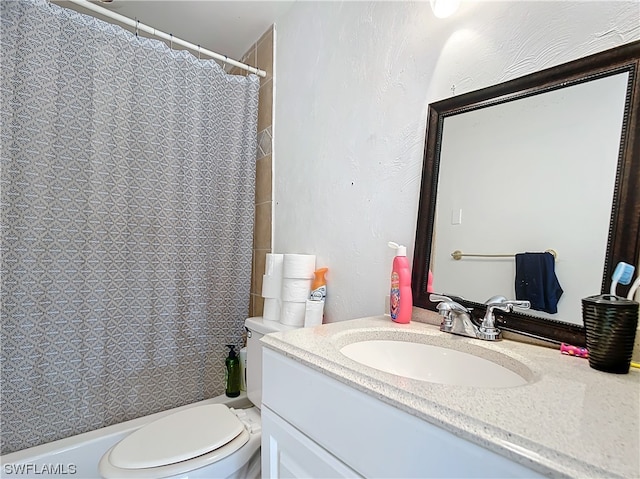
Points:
(203, 441)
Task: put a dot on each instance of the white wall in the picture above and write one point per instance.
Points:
(353, 82)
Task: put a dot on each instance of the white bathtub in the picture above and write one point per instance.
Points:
(78, 456)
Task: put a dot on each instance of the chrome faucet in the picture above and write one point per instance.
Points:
(456, 319)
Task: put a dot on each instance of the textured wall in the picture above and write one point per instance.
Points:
(354, 83)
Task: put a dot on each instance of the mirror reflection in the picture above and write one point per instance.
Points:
(547, 161)
(529, 175)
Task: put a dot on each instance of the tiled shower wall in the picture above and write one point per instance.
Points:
(261, 55)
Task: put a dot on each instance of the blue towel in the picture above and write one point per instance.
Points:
(536, 281)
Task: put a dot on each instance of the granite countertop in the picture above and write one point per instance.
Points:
(569, 420)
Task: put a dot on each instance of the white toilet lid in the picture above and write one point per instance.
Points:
(177, 437)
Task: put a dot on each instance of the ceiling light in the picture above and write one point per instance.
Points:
(444, 8)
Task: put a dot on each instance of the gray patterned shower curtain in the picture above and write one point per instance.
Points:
(126, 194)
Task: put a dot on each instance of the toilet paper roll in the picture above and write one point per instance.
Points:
(271, 310)
(295, 289)
(313, 313)
(292, 314)
(299, 265)
(271, 286)
(273, 264)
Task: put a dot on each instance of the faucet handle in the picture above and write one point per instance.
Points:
(444, 307)
(433, 297)
(447, 304)
(448, 309)
(509, 305)
(519, 303)
(504, 304)
(488, 328)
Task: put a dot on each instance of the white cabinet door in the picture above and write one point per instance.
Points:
(287, 453)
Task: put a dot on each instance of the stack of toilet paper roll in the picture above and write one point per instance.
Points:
(285, 287)
(271, 286)
(297, 273)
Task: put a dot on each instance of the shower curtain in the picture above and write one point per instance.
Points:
(127, 193)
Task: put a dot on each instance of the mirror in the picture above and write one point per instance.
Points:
(549, 161)
(546, 166)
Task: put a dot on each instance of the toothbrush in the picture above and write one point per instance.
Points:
(622, 274)
(634, 287)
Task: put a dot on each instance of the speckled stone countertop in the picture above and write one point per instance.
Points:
(569, 420)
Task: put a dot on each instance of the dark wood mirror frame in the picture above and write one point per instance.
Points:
(623, 242)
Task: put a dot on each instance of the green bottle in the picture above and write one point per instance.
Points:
(232, 373)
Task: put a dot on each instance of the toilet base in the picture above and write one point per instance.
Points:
(250, 470)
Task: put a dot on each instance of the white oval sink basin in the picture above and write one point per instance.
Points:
(433, 364)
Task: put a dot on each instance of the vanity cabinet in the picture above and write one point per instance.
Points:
(316, 426)
(286, 452)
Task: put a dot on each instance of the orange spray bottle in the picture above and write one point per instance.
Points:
(319, 285)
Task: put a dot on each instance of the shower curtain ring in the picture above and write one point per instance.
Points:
(198, 52)
(171, 41)
(137, 23)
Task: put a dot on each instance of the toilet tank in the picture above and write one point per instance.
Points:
(256, 328)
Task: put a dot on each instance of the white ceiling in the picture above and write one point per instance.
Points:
(226, 27)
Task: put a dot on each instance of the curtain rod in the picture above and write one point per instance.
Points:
(165, 36)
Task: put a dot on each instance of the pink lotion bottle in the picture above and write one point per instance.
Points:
(401, 299)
